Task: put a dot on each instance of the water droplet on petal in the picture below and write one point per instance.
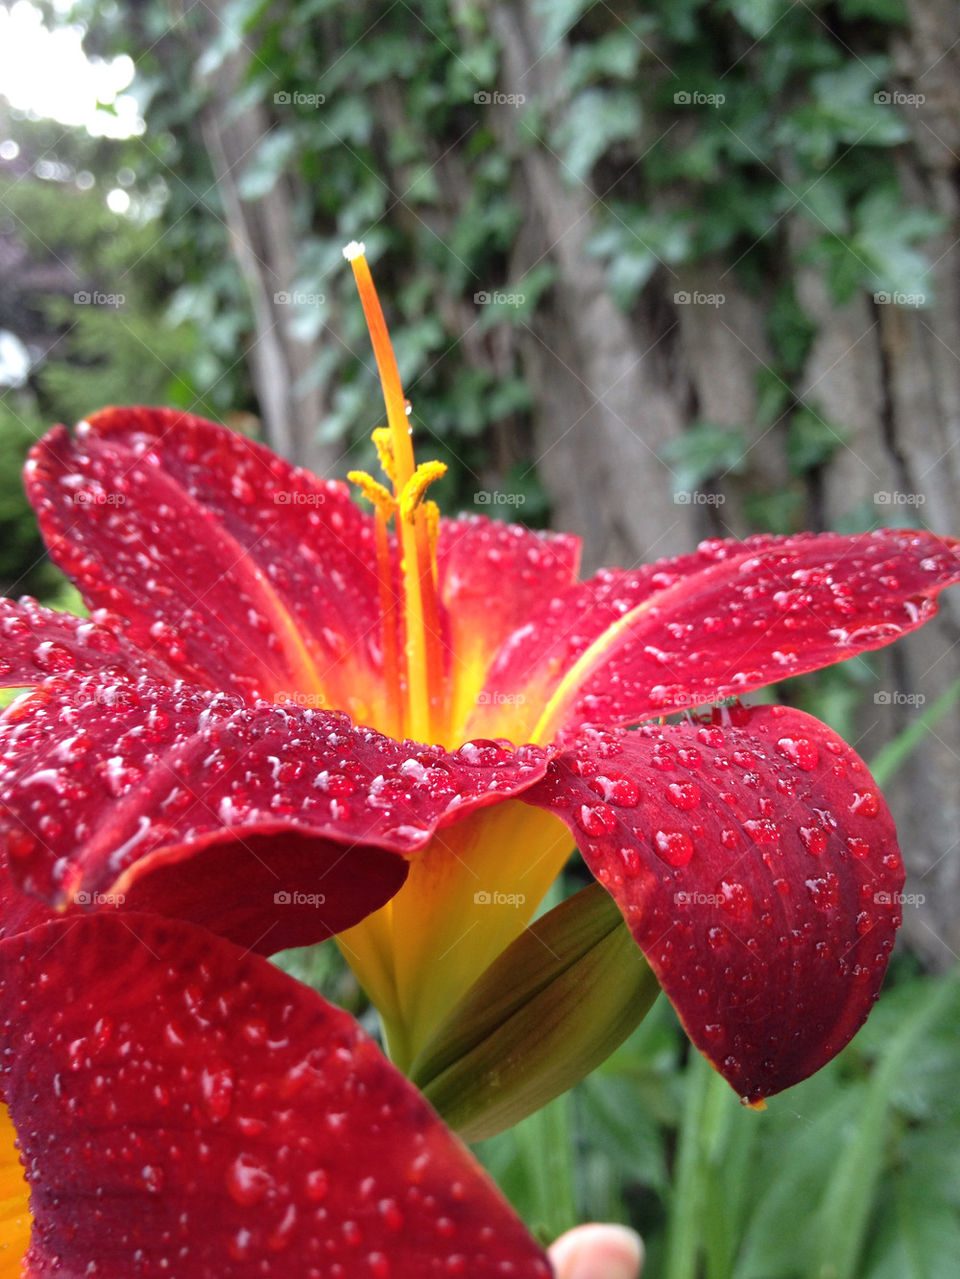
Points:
(675, 847)
(248, 1180)
(814, 839)
(865, 804)
(597, 819)
(800, 751)
(683, 795)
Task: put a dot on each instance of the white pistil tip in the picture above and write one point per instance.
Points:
(355, 249)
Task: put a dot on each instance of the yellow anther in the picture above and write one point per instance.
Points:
(377, 493)
(417, 485)
(383, 442)
(432, 513)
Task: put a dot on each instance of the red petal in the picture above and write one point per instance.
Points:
(242, 571)
(197, 805)
(36, 642)
(758, 869)
(18, 912)
(732, 618)
(177, 1099)
(491, 577)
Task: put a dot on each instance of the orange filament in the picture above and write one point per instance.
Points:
(421, 677)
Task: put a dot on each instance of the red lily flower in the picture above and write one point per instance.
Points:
(184, 1108)
(237, 598)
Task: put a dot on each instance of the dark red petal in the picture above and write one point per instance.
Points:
(730, 619)
(201, 806)
(491, 577)
(18, 912)
(36, 642)
(244, 572)
(185, 1109)
(757, 867)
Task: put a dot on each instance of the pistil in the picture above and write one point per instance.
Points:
(425, 698)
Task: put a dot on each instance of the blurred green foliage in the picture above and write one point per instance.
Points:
(743, 137)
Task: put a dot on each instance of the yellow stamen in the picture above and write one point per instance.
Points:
(432, 516)
(417, 485)
(374, 491)
(425, 692)
(389, 616)
(382, 443)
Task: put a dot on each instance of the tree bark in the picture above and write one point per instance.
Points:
(612, 389)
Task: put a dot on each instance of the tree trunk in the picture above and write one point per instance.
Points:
(611, 390)
(263, 239)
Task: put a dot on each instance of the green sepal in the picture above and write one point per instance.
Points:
(549, 1010)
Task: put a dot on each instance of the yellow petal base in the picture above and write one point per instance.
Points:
(14, 1202)
(469, 894)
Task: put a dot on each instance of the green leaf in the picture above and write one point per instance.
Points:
(271, 158)
(595, 119)
(891, 757)
(757, 17)
(811, 441)
(845, 1203)
(555, 1004)
(703, 452)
